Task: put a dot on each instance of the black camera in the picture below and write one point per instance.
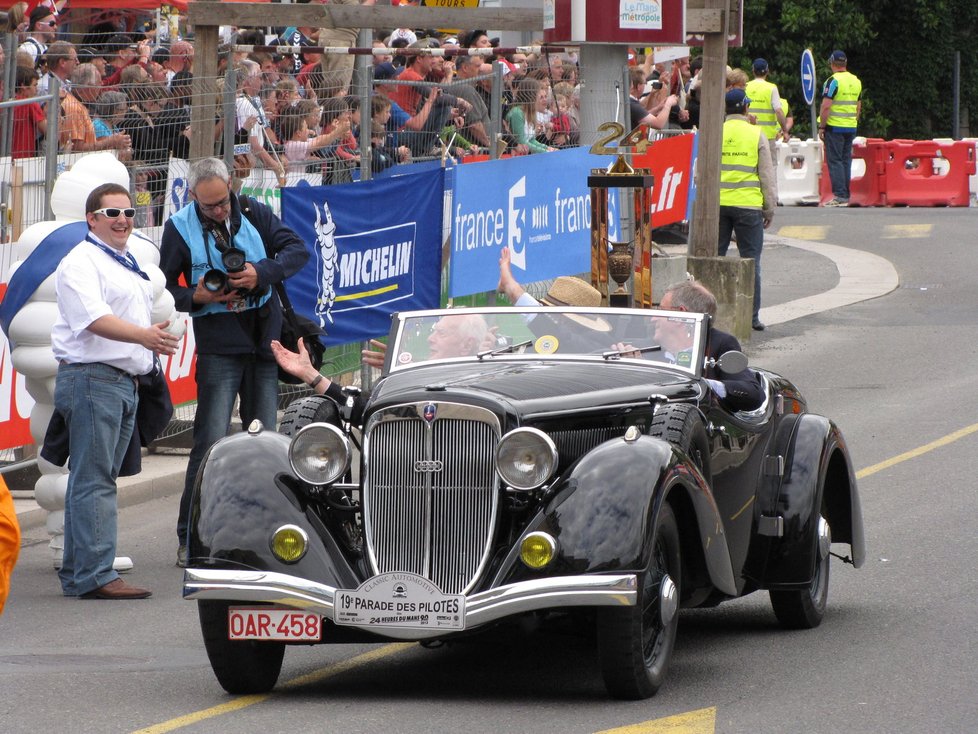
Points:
(233, 259)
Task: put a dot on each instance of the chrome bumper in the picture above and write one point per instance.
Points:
(480, 608)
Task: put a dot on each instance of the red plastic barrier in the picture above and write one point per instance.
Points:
(928, 173)
(868, 189)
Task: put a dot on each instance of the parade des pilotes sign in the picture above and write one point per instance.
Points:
(642, 22)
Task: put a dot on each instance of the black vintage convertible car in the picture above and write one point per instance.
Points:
(520, 461)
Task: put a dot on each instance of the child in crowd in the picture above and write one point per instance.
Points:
(30, 122)
(382, 155)
(299, 146)
(381, 112)
(345, 154)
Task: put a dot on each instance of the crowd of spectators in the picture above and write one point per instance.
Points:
(120, 90)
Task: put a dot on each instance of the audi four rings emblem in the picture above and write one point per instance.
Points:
(428, 467)
(429, 411)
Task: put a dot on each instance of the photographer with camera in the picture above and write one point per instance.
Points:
(658, 116)
(231, 251)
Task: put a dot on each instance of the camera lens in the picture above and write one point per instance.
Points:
(215, 280)
(233, 259)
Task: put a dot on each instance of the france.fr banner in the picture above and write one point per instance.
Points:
(376, 249)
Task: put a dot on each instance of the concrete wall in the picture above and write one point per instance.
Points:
(730, 279)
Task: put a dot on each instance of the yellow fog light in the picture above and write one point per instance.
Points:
(289, 543)
(537, 550)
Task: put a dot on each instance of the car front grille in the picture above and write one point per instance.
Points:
(430, 491)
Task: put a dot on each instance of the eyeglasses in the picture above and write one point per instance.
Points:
(113, 212)
(222, 204)
(48, 22)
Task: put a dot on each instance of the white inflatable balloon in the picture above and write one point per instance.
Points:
(30, 328)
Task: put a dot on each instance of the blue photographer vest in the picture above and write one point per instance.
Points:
(204, 254)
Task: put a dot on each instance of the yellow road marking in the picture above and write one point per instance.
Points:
(914, 453)
(246, 701)
(906, 231)
(814, 233)
(702, 721)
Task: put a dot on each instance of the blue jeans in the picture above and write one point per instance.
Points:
(220, 378)
(99, 406)
(749, 226)
(838, 156)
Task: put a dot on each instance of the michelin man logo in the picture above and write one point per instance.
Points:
(326, 241)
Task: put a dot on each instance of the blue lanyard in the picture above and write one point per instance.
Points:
(128, 262)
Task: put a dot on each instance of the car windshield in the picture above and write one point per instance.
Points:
(676, 338)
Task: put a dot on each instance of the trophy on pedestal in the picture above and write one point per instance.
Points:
(626, 258)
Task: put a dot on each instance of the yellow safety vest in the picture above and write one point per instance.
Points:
(740, 183)
(760, 91)
(844, 104)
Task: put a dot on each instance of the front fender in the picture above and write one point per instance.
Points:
(817, 475)
(240, 499)
(601, 513)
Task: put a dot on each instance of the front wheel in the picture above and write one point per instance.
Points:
(803, 609)
(635, 643)
(241, 666)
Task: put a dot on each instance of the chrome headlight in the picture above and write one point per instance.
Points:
(319, 453)
(526, 458)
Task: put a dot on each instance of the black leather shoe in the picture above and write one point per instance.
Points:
(117, 589)
(757, 326)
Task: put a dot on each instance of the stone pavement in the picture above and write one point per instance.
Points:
(800, 278)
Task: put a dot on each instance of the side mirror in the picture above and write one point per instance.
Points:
(732, 362)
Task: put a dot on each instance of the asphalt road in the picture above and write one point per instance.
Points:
(894, 654)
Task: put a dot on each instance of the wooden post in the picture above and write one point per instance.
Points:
(705, 226)
(205, 92)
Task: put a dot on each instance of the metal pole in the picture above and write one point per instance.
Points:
(51, 143)
(496, 110)
(956, 97)
(9, 78)
(364, 87)
(230, 116)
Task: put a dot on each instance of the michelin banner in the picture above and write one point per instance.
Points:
(376, 250)
(539, 206)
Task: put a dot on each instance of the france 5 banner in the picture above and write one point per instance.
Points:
(539, 206)
(376, 249)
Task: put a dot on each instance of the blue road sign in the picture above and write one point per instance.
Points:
(808, 75)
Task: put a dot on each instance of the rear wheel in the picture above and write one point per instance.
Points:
(804, 608)
(635, 643)
(310, 409)
(241, 666)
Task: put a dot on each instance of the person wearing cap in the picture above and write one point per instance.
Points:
(338, 68)
(765, 105)
(747, 188)
(42, 28)
(837, 125)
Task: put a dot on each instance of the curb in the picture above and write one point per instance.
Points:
(162, 476)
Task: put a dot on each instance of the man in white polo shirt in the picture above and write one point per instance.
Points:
(103, 339)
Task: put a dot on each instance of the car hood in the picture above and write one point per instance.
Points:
(535, 387)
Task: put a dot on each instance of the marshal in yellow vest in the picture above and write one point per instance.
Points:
(740, 183)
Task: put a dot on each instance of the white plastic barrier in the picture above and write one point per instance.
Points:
(799, 163)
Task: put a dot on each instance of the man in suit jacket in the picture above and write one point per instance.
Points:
(739, 391)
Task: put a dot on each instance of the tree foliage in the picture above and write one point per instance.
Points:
(902, 50)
